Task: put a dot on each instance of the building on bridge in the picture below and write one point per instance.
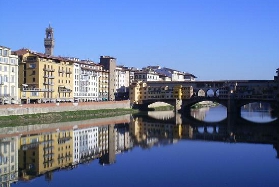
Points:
(140, 91)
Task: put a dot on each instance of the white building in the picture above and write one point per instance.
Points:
(8, 76)
(85, 143)
(122, 82)
(173, 75)
(146, 75)
(86, 81)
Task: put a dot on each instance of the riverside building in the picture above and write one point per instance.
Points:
(86, 80)
(8, 76)
(44, 78)
(122, 83)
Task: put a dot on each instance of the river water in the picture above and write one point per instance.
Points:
(206, 148)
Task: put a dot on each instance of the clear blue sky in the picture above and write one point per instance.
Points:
(212, 39)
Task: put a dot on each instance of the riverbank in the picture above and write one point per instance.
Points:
(55, 117)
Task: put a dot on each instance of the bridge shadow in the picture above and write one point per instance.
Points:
(228, 130)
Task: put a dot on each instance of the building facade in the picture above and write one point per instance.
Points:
(122, 83)
(8, 76)
(43, 78)
(140, 91)
(86, 81)
(146, 75)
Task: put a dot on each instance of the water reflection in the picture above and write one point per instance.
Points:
(257, 112)
(31, 151)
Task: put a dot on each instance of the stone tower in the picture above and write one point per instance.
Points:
(49, 41)
(109, 64)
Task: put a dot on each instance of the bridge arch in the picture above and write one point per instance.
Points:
(201, 93)
(210, 93)
(194, 100)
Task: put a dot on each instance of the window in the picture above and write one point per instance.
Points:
(34, 93)
(1, 52)
(32, 66)
(5, 53)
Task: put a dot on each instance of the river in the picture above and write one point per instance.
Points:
(158, 149)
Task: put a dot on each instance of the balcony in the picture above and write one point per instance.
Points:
(5, 95)
(49, 69)
(68, 72)
(64, 89)
(25, 89)
(30, 146)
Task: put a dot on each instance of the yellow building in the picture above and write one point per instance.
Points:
(43, 152)
(140, 91)
(44, 78)
(103, 84)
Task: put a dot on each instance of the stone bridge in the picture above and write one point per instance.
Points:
(182, 95)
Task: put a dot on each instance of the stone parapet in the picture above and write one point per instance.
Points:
(7, 110)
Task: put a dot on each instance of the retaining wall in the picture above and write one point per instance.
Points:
(6, 110)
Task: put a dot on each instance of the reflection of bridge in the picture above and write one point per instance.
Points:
(182, 95)
(228, 130)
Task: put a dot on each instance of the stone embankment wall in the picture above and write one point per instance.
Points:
(7, 110)
(21, 130)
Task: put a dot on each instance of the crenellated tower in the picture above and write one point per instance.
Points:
(49, 41)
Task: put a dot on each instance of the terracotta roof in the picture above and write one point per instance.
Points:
(22, 51)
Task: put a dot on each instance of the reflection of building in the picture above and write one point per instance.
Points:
(200, 114)
(85, 144)
(107, 144)
(43, 152)
(149, 133)
(122, 138)
(8, 161)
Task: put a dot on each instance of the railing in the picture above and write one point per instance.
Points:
(5, 95)
(50, 70)
(64, 90)
(36, 90)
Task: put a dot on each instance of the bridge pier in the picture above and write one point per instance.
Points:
(232, 108)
